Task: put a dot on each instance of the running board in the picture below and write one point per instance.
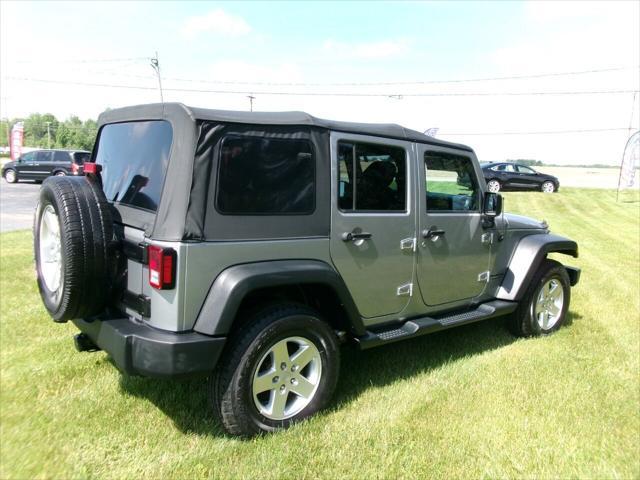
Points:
(422, 326)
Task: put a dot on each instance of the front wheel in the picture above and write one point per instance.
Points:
(548, 187)
(544, 306)
(11, 176)
(281, 368)
(493, 186)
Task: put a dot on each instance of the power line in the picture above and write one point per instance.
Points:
(414, 82)
(327, 94)
(96, 60)
(362, 84)
(547, 132)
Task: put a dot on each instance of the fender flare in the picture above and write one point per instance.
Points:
(232, 285)
(526, 259)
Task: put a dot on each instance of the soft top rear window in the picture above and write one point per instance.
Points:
(134, 158)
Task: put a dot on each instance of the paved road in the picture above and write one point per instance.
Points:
(17, 204)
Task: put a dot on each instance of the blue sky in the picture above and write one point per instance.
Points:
(253, 43)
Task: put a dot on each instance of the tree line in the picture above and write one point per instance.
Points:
(44, 130)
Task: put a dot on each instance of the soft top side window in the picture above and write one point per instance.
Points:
(265, 176)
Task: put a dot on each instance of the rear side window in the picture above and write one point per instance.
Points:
(61, 157)
(134, 158)
(265, 176)
(43, 157)
(371, 177)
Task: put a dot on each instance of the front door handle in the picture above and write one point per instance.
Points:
(433, 232)
(353, 236)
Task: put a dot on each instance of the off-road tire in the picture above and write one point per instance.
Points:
(11, 176)
(522, 322)
(86, 235)
(230, 386)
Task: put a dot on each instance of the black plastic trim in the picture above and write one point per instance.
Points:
(138, 349)
(137, 302)
(526, 259)
(574, 275)
(233, 284)
(424, 325)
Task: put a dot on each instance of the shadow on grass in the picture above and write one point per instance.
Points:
(186, 402)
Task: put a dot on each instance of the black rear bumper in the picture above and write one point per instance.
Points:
(138, 349)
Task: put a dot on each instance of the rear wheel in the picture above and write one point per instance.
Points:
(544, 306)
(548, 187)
(60, 174)
(11, 176)
(494, 186)
(281, 368)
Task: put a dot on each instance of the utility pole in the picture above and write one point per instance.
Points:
(155, 64)
(48, 135)
(251, 99)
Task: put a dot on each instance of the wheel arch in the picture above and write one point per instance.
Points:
(242, 287)
(526, 259)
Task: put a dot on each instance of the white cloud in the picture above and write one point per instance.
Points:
(217, 21)
(369, 50)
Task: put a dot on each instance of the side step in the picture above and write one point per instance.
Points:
(423, 325)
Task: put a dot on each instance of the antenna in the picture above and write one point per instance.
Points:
(251, 99)
(155, 64)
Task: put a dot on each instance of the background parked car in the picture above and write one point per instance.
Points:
(40, 164)
(512, 176)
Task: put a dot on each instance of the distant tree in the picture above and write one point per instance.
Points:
(70, 133)
(530, 163)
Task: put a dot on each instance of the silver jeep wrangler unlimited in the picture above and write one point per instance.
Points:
(247, 246)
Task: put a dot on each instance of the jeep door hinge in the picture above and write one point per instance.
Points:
(408, 244)
(487, 238)
(484, 276)
(405, 290)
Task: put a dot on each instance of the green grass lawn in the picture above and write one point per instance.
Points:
(468, 402)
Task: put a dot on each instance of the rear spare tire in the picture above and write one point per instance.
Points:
(72, 236)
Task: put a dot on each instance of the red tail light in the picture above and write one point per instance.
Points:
(90, 167)
(162, 267)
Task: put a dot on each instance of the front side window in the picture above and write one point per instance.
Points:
(134, 158)
(451, 183)
(371, 177)
(265, 176)
(28, 157)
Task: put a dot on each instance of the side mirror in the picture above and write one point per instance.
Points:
(492, 206)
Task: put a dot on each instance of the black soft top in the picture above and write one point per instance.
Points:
(390, 130)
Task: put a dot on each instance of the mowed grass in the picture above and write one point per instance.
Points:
(468, 402)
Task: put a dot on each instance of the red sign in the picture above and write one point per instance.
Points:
(16, 141)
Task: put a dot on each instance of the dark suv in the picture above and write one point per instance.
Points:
(40, 164)
(513, 176)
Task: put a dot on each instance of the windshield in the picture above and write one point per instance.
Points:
(134, 158)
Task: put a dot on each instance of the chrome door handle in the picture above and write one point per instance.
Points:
(352, 236)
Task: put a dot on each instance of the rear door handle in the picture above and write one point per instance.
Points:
(353, 236)
(432, 232)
